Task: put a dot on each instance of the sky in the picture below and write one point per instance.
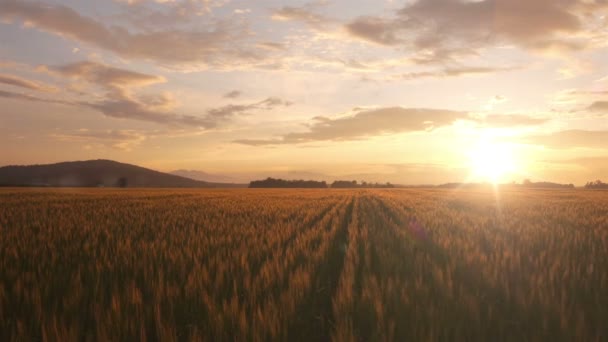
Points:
(411, 92)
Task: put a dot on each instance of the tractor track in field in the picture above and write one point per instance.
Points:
(314, 320)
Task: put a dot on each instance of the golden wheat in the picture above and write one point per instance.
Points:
(343, 265)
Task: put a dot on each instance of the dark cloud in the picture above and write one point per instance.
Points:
(233, 94)
(571, 139)
(124, 107)
(230, 110)
(16, 81)
(376, 30)
(599, 106)
(367, 123)
(219, 44)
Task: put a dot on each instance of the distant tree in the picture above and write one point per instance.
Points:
(364, 184)
(122, 182)
(344, 184)
(546, 185)
(598, 184)
(281, 183)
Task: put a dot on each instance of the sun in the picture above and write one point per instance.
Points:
(492, 161)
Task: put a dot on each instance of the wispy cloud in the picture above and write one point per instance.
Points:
(124, 140)
(511, 120)
(230, 110)
(365, 123)
(219, 44)
(571, 139)
(233, 94)
(453, 72)
(119, 98)
(20, 82)
(106, 75)
(28, 97)
(305, 14)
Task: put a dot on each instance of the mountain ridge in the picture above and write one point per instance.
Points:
(96, 173)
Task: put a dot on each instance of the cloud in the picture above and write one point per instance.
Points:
(24, 83)
(453, 72)
(27, 97)
(599, 106)
(511, 120)
(124, 107)
(119, 99)
(161, 101)
(230, 110)
(271, 45)
(219, 44)
(303, 14)
(124, 140)
(365, 123)
(130, 108)
(167, 14)
(105, 75)
(233, 94)
(575, 97)
(575, 68)
(586, 93)
(376, 30)
(571, 139)
(598, 165)
(444, 29)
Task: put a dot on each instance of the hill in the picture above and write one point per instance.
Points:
(204, 176)
(95, 173)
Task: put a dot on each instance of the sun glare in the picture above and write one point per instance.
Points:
(491, 161)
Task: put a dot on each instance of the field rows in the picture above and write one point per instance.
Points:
(342, 265)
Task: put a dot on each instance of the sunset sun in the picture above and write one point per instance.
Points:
(491, 161)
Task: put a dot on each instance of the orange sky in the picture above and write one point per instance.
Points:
(425, 91)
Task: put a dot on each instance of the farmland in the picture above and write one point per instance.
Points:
(342, 265)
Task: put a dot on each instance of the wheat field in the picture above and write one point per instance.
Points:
(303, 265)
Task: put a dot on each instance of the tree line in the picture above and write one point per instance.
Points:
(282, 183)
(598, 184)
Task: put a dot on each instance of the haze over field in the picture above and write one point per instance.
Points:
(411, 92)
